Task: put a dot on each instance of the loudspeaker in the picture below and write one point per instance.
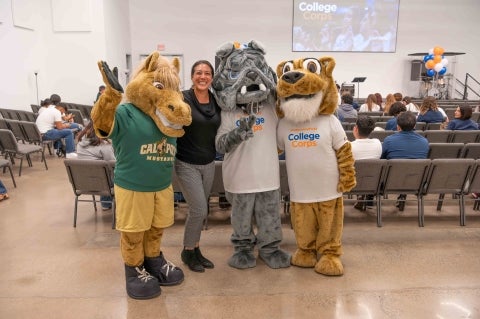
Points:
(418, 70)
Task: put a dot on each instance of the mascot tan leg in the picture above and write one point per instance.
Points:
(304, 223)
(329, 238)
(140, 284)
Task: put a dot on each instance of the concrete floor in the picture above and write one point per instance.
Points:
(51, 270)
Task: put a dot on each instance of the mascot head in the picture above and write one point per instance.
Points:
(243, 78)
(306, 89)
(154, 89)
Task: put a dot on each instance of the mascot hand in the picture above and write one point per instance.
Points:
(229, 141)
(103, 111)
(346, 168)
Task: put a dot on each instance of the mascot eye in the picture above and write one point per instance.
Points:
(233, 74)
(158, 85)
(312, 65)
(287, 67)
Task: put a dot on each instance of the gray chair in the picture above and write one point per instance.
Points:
(445, 150)
(92, 178)
(77, 116)
(471, 150)
(449, 176)
(474, 186)
(33, 135)
(433, 126)
(420, 126)
(465, 136)
(16, 129)
(381, 135)
(5, 163)
(369, 174)
(406, 176)
(437, 136)
(16, 150)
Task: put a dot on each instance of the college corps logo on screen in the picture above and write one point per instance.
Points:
(345, 25)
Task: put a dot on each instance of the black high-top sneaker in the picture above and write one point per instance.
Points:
(140, 284)
(167, 273)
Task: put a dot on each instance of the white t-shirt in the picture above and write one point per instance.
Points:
(364, 108)
(412, 108)
(46, 120)
(366, 148)
(311, 160)
(253, 165)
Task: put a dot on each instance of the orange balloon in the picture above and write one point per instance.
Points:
(430, 64)
(437, 58)
(438, 50)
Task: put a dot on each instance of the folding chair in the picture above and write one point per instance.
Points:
(33, 135)
(437, 136)
(466, 136)
(90, 177)
(406, 176)
(474, 185)
(445, 150)
(5, 163)
(369, 174)
(471, 150)
(433, 126)
(13, 149)
(381, 135)
(449, 175)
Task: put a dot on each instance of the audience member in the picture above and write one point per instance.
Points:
(389, 100)
(398, 96)
(395, 110)
(462, 119)
(370, 104)
(379, 100)
(429, 111)
(101, 89)
(405, 144)
(91, 147)
(346, 108)
(412, 107)
(3, 192)
(365, 148)
(43, 105)
(51, 126)
(195, 161)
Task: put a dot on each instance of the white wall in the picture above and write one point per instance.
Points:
(197, 28)
(66, 61)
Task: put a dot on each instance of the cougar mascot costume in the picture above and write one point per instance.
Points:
(319, 161)
(244, 87)
(143, 131)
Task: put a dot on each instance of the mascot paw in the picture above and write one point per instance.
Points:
(111, 76)
(329, 265)
(304, 258)
(242, 260)
(276, 259)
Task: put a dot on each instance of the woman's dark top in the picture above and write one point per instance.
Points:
(197, 146)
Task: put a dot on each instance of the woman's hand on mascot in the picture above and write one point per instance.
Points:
(112, 77)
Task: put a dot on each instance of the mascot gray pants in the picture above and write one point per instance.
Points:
(264, 208)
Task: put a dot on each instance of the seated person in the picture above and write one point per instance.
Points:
(395, 109)
(51, 126)
(429, 111)
(3, 192)
(91, 147)
(462, 119)
(345, 109)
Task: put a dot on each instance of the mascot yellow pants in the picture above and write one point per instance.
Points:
(318, 226)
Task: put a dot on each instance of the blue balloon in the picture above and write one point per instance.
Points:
(431, 72)
(428, 57)
(442, 71)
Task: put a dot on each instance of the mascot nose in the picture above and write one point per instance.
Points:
(292, 77)
(252, 75)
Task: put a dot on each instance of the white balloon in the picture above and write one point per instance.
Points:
(444, 62)
(430, 51)
(438, 67)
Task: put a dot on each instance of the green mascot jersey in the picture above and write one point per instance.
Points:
(145, 156)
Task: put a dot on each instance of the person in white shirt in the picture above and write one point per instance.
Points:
(52, 127)
(370, 104)
(365, 148)
(412, 107)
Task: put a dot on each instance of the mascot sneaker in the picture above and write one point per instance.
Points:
(140, 284)
(167, 273)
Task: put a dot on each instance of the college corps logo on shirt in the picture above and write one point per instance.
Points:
(160, 151)
(303, 137)
(259, 122)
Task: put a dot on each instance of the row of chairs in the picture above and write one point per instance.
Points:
(26, 132)
(418, 177)
(12, 149)
(433, 136)
(19, 115)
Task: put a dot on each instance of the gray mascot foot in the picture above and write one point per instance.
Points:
(140, 284)
(242, 260)
(166, 273)
(276, 259)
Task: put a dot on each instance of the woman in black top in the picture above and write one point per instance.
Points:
(195, 161)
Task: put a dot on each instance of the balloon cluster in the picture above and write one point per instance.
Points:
(435, 62)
